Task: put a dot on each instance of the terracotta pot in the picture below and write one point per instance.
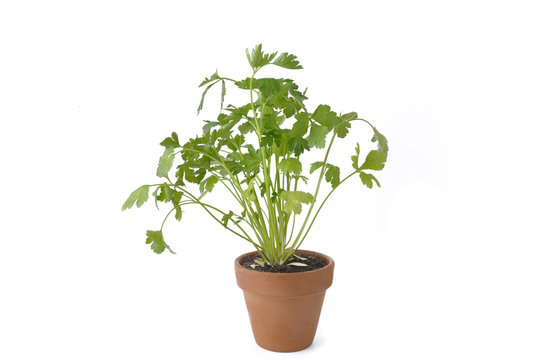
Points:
(284, 308)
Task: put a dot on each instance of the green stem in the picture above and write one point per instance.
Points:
(320, 207)
(163, 222)
(273, 226)
(315, 195)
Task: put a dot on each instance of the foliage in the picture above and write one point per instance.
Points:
(254, 152)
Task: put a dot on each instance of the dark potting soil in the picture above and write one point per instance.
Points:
(311, 261)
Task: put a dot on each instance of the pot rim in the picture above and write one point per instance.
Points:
(330, 263)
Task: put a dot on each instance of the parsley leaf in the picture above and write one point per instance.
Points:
(164, 193)
(349, 116)
(208, 184)
(203, 97)
(317, 136)
(380, 140)
(165, 163)
(246, 128)
(301, 125)
(324, 116)
(226, 218)
(294, 199)
(342, 128)
(298, 145)
(156, 240)
(222, 94)
(171, 142)
(268, 87)
(178, 212)
(375, 160)
(138, 197)
(355, 158)
(251, 161)
(315, 166)
(333, 175)
(287, 61)
(368, 179)
(209, 125)
(213, 77)
(290, 165)
(257, 59)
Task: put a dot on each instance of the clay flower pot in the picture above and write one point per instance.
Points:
(284, 308)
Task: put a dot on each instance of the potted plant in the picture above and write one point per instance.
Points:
(255, 152)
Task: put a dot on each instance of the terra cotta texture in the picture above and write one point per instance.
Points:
(284, 308)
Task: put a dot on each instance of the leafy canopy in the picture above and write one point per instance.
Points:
(253, 153)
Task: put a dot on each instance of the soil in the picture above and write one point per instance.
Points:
(312, 263)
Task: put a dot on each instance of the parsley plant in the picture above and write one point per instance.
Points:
(254, 152)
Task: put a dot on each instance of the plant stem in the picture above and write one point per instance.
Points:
(321, 205)
(315, 195)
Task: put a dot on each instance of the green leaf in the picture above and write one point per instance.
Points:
(179, 175)
(301, 125)
(236, 142)
(213, 77)
(315, 166)
(208, 184)
(368, 179)
(245, 128)
(349, 116)
(332, 172)
(298, 145)
(209, 125)
(355, 158)
(244, 84)
(222, 94)
(290, 165)
(165, 193)
(251, 161)
(294, 199)
(342, 129)
(380, 140)
(190, 175)
(165, 163)
(301, 177)
(324, 116)
(177, 206)
(258, 58)
(249, 193)
(203, 96)
(138, 197)
(287, 61)
(375, 160)
(317, 136)
(267, 86)
(156, 240)
(226, 218)
(333, 175)
(178, 212)
(171, 142)
(233, 166)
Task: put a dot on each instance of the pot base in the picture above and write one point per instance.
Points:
(284, 324)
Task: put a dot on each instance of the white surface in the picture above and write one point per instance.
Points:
(444, 262)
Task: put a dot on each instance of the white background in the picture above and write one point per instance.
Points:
(443, 262)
